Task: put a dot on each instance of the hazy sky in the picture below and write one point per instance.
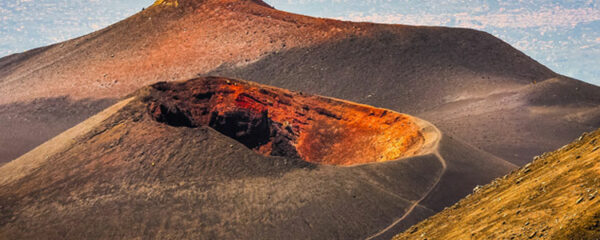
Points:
(563, 35)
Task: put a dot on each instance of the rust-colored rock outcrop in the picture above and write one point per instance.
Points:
(278, 122)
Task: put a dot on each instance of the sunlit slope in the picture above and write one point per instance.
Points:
(555, 197)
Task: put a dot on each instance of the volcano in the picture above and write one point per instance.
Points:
(223, 158)
(453, 77)
(363, 130)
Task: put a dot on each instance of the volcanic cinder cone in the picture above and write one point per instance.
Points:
(217, 158)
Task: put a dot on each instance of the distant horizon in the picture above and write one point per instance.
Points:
(564, 36)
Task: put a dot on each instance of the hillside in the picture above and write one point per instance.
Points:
(554, 197)
(217, 158)
(452, 77)
(470, 84)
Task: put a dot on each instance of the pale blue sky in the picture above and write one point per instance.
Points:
(563, 35)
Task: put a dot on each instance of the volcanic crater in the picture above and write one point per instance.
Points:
(278, 122)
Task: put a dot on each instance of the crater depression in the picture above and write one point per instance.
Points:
(278, 122)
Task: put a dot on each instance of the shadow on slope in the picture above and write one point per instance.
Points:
(520, 123)
(408, 69)
(26, 125)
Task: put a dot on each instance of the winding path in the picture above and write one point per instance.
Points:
(433, 137)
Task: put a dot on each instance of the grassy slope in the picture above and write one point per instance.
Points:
(555, 197)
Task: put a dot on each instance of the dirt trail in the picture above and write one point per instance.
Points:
(432, 142)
